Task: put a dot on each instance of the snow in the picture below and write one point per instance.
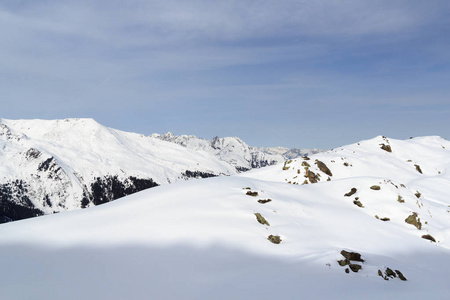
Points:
(235, 151)
(200, 239)
(79, 151)
(86, 150)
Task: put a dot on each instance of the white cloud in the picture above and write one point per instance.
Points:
(67, 49)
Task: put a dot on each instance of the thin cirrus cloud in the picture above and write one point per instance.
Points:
(102, 58)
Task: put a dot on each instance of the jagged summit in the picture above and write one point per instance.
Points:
(235, 151)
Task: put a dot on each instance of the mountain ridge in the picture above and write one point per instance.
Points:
(50, 166)
(224, 148)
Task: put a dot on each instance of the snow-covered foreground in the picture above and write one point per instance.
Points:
(201, 239)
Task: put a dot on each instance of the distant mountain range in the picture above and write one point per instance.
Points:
(235, 151)
(50, 166)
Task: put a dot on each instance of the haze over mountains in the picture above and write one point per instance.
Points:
(363, 221)
(49, 166)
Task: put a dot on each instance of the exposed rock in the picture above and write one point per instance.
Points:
(400, 275)
(352, 192)
(33, 153)
(286, 163)
(358, 203)
(381, 274)
(343, 262)
(274, 239)
(253, 194)
(400, 199)
(350, 256)
(355, 256)
(428, 237)
(261, 219)
(323, 167)
(354, 267)
(418, 169)
(313, 177)
(418, 194)
(386, 147)
(385, 219)
(414, 220)
(390, 273)
(264, 201)
(305, 164)
(375, 187)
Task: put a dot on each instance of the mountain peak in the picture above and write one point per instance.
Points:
(73, 163)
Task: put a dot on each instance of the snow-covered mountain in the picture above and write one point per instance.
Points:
(364, 221)
(235, 151)
(58, 165)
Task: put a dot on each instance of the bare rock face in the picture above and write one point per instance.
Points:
(261, 219)
(264, 201)
(253, 194)
(349, 257)
(418, 169)
(414, 220)
(352, 192)
(390, 274)
(386, 147)
(323, 167)
(429, 237)
(274, 239)
(313, 177)
(355, 256)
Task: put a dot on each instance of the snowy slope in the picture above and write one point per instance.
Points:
(58, 165)
(53, 166)
(201, 239)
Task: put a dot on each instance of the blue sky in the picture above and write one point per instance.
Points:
(288, 73)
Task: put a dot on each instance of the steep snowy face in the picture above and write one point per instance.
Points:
(363, 221)
(236, 152)
(53, 166)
